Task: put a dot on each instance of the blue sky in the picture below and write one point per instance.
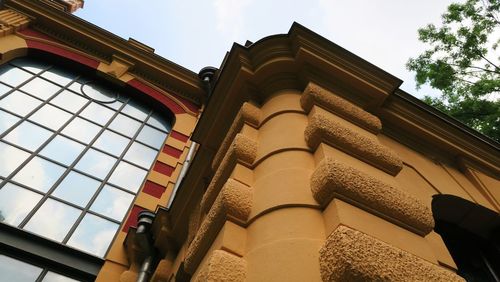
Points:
(195, 34)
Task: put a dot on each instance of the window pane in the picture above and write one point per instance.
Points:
(50, 117)
(93, 235)
(39, 174)
(19, 103)
(13, 76)
(97, 113)
(53, 220)
(69, 101)
(4, 89)
(6, 121)
(34, 66)
(111, 143)
(99, 92)
(152, 137)
(56, 277)
(62, 149)
(10, 158)
(77, 188)
(128, 176)
(59, 76)
(40, 88)
(125, 125)
(141, 155)
(136, 110)
(96, 163)
(112, 202)
(15, 203)
(28, 135)
(81, 130)
(76, 86)
(15, 270)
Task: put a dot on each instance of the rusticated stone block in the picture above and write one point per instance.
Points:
(223, 266)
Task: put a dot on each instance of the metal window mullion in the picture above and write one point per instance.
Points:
(42, 275)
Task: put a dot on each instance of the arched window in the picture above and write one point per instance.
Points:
(73, 153)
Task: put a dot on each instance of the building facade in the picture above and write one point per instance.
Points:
(296, 160)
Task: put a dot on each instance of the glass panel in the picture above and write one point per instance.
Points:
(28, 135)
(39, 174)
(111, 143)
(128, 176)
(53, 220)
(81, 130)
(136, 110)
(152, 137)
(62, 149)
(93, 235)
(99, 92)
(19, 103)
(4, 89)
(13, 76)
(56, 277)
(59, 76)
(76, 86)
(69, 101)
(15, 270)
(77, 188)
(50, 117)
(10, 158)
(125, 125)
(16, 203)
(96, 163)
(97, 113)
(112, 202)
(34, 66)
(157, 121)
(141, 155)
(6, 121)
(40, 88)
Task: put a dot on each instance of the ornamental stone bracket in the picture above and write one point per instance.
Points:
(11, 21)
(118, 68)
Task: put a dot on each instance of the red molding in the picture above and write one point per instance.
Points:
(132, 218)
(153, 189)
(171, 151)
(164, 169)
(179, 136)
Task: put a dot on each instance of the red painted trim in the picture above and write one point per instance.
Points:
(179, 136)
(153, 189)
(171, 151)
(132, 218)
(163, 168)
(169, 103)
(34, 33)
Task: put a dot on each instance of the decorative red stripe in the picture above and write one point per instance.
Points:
(179, 136)
(34, 33)
(63, 53)
(153, 189)
(132, 218)
(163, 168)
(171, 151)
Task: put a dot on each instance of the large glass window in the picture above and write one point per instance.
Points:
(73, 154)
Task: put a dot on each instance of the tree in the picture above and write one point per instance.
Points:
(463, 62)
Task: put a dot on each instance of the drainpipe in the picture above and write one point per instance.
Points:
(144, 239)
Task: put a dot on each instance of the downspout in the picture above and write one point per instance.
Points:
(145, 241)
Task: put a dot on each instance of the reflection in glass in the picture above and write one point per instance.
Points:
(19, 103)
(97, 113)
(50, 117)
(30, 65)
(39, 174)
(53, 220)
(62, 149)
(125, 125)
(69, 101)
(40, 88)
(77, 188)
(18, 271)
(15, 203)
(112, 203)
(59, 76)
(4, 89)
(141, 155)
(111, 142)
(6, 121)
(157, 121)
(128, 176)
(152, 137)
(56, 277)
(99, 92)
(95, 163)
(81, 130)
(93, 235)
(13, 76)
(28, 135)
(136, 110)
(10, 158)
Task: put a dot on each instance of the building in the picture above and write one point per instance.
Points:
(296, 160)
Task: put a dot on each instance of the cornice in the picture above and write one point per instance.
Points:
(100, 43)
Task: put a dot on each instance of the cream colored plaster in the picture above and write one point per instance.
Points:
(117, 253)
(350, 255)
(281, 102)
(110, 271)
(184, 123)
(242, 174)
(315, 110)
(223, 266)
(292, 159)
(12, 46)
(176, 143)
(167, 159)
(414, 184)
(158, 178)
(440, 250)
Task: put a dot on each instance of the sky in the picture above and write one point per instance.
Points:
(195, 34)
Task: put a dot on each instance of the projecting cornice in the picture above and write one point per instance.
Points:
(104, 45)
